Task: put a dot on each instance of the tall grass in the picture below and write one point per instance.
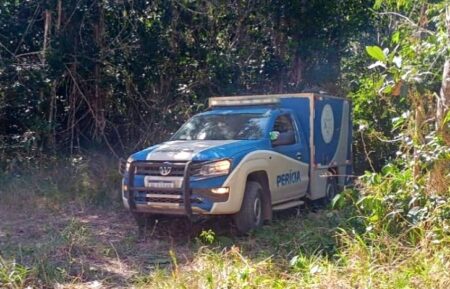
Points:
(356, 265)
(390, 232)
(12, 274)
(92, 180)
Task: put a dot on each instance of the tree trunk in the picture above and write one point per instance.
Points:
(58, 22)
(51, 141)
(296, 71)
(443, 103)
(47, 27)
(99, 95)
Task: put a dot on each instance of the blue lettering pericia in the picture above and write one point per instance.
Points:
(288, 178)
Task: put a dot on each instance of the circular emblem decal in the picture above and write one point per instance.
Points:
(165, 169)
(327, 123)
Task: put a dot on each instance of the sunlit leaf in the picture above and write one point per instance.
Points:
(376, 52)
(377, 4)
(396, 37)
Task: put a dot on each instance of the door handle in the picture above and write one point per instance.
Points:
(298, 155)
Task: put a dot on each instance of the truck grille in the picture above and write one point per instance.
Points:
(152, 168)
(157, 169)
(162, 169)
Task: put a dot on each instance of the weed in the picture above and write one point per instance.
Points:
(12, 274)
(207, 237)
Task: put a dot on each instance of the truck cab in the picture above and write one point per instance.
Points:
(245, 157)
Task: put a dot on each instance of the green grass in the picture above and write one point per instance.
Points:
(52, 258)
(354, 264)
(378, 237)
(88, 180)
(12, 274)
(306, 251)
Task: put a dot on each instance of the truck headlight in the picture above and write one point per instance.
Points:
(124, 165)
(219, 168)
(127, 166)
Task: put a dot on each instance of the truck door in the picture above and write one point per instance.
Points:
(290, 177)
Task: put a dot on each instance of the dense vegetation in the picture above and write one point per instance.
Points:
(83, 82)
(122, 74)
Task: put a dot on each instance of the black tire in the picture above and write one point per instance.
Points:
(331, 190)
(251, 214)
(144, 221)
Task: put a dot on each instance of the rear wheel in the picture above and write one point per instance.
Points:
(251, 214)
(331, 190)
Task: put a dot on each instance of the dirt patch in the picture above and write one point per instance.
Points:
(79, 247)
(95, 247)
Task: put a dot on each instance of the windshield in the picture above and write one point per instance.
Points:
(245, 126)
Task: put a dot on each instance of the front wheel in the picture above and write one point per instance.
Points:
(144, 221)
(251, 214)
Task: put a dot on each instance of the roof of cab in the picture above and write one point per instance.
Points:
(238, 110)
(261, 100)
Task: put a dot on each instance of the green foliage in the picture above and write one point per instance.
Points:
(208, 237)
(376, 53)
(404, 199)
(400, 83)
(404, 206)
(75, 234)
(123, 75)
(374, 127)
(55, 182)
(12, 275)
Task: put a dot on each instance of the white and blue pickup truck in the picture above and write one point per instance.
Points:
(246, 156)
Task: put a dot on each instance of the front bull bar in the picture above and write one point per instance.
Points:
(186, 192)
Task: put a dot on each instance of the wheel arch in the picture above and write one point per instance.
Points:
(262, 178)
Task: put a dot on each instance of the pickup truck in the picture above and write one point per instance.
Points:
(246, 156)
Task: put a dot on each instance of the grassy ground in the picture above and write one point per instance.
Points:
(98, 248)
(50, 238)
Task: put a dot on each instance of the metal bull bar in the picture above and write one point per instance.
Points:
(185, 190)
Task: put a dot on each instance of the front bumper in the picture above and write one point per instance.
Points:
(181, 199)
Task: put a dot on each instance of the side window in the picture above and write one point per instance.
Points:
(283, 125)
